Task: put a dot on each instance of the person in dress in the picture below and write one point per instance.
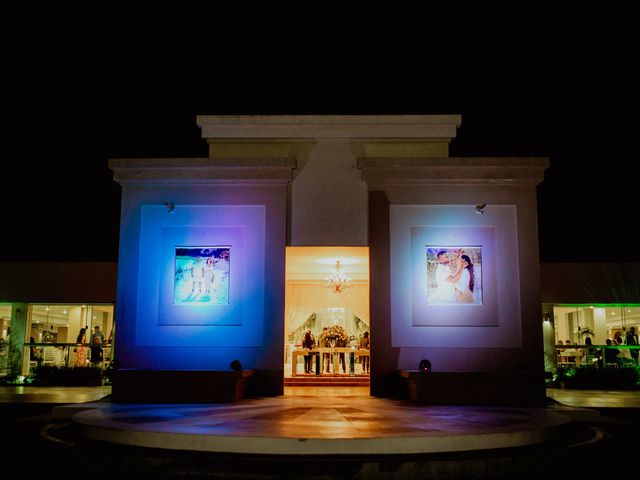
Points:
(209, 275)
(81, 350)
(466, 280)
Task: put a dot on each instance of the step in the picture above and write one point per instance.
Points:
(326, 385)
(315, 381)
(317, 378)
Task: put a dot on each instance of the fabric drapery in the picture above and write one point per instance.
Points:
(356, 299)
(299, 305)
(303, 299)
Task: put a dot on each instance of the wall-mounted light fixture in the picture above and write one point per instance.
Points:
(170, 206)
(480, 208)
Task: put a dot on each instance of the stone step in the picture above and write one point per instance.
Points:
(327, 381)
(330, 377)
(327, 385)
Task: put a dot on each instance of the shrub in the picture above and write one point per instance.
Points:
(599, 378)
(67, 376)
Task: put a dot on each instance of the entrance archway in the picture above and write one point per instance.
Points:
(335, 314)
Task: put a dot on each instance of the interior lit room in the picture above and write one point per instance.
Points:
(599, 322)
(62, 325)
(327, 300)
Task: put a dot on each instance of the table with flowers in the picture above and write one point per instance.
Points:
(319, 351)
(334, 341)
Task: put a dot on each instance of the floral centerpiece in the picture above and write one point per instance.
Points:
(335, 335)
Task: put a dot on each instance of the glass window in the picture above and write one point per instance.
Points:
(599, 322)
(60, 325)
(620, 319)
(5, 324)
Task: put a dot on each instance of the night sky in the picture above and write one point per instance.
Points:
(71, 114)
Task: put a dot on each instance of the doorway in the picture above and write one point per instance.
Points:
(327, 321)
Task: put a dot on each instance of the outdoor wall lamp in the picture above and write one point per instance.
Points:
(170, 206)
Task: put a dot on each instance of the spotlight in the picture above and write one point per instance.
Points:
(170, 206)
(480, 208)
(424, 366)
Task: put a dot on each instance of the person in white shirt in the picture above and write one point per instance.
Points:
(625, 353)
(197, 275)
(445, 290)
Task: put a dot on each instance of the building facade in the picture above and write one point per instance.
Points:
(227, 258)
(382, 182)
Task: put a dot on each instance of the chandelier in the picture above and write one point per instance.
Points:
(337, 281)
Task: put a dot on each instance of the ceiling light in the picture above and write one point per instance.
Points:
(337, 281)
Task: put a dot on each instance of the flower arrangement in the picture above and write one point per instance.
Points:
(337, 333)
(586, 331)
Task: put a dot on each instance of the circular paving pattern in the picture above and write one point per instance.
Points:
(318, 426)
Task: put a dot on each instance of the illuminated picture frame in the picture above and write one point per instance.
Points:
(201, 275)
(454, 275)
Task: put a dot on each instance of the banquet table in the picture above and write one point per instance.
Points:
(319, 351)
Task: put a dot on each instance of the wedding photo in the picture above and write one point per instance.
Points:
(454, 275)
(202, 275)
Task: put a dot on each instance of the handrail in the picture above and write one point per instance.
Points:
(66, 347)
(624, 345)
(598, 356)
(67, 344)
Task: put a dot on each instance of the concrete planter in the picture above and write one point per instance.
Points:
(68, 377)
(179, 386)
(474, 388)
(601, 379)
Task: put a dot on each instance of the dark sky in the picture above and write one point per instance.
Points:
(71, 113)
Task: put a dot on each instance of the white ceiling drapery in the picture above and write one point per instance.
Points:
(303, 299)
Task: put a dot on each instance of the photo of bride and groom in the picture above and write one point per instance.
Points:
(454, 275)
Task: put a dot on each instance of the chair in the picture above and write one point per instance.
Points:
(49, 356)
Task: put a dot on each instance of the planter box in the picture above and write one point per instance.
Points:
(179, 386)
(68, 377)
(600, 378)
(522, 388)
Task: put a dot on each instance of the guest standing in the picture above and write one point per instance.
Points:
(97, 339)
(632, 339)
(81, 350)
(364, 345)
(308, 343)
